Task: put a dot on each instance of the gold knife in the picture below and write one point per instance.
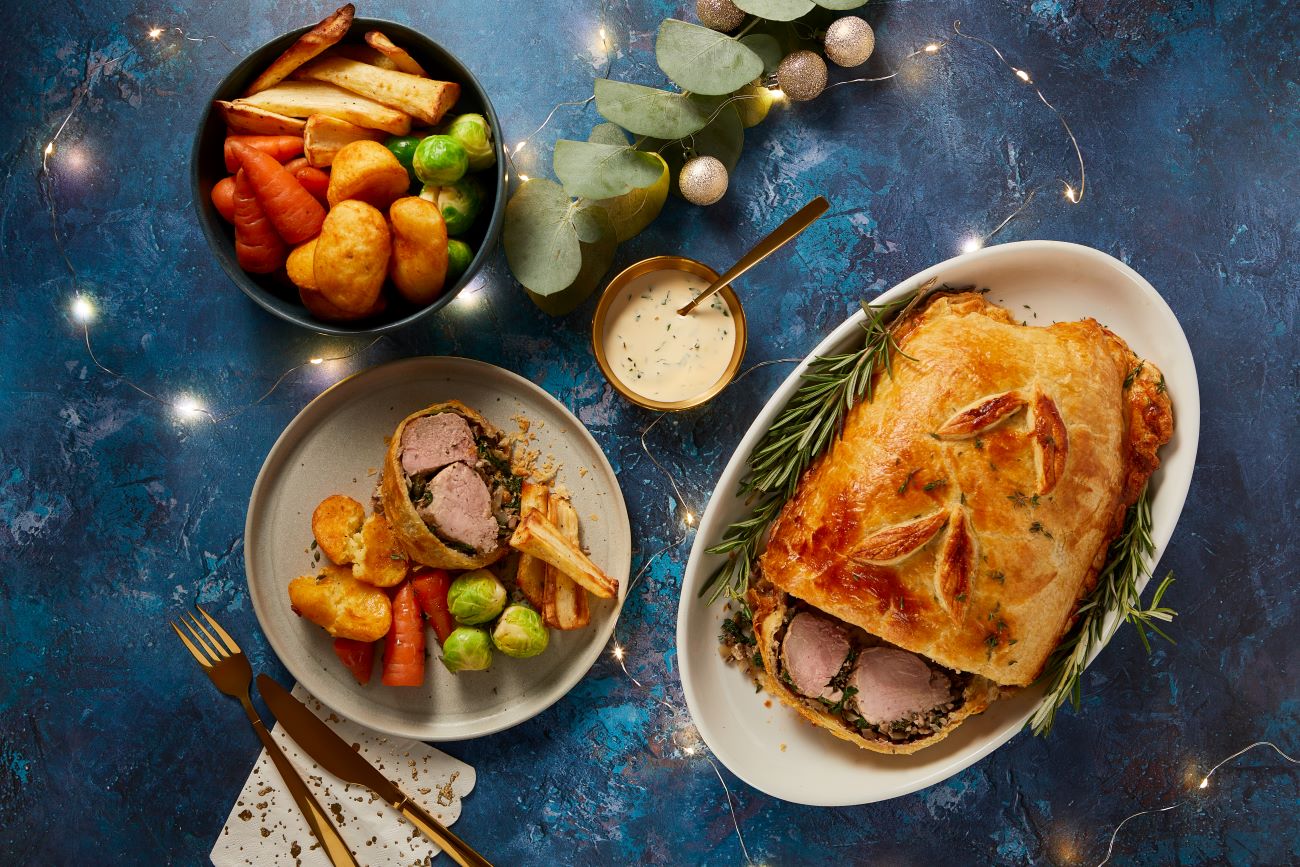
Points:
(334, 754)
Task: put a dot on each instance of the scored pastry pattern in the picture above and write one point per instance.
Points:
(955, 564)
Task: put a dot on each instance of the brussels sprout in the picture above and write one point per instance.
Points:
(475, 136)
(520, 632)
(440, 159)
(459, 202)
(403, 147)
(476, 597)
(467, 649)
(459, 255)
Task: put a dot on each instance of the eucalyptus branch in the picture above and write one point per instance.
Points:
(1116, 591)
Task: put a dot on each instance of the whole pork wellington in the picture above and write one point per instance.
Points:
(447, 487)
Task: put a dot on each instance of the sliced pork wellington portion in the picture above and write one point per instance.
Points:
(894, 685)
(813, 652)
(432, 442)
(459, 508)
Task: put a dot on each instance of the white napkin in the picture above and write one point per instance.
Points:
(266, 827)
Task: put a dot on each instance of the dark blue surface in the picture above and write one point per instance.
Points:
(115, 515)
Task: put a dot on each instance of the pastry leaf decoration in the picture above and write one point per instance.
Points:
(1117, 592)
(897, 543)
(809, 423)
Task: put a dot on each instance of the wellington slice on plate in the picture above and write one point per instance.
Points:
(940, 595)
(337, 445)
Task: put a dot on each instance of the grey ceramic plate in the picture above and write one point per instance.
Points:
(336, 445)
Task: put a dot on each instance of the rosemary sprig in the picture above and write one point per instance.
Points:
(1116, 591)
(814, 417)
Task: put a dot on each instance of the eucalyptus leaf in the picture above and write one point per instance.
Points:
(601, 171)
(540, 237)
(608, 134)
(723, 138)
(595, 258)
(767, 49)
(632, 212)
(776, 10)
(702, 60)
(840, 5)
(646, 111)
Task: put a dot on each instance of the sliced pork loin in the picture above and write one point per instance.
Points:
(432, 442)
(460, 508)
(813, 652)
(895, 685)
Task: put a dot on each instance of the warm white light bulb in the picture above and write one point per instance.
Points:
(971, 245)
(932, 48)
(317, 360)
(1205, 783)
(187, 407)
(1071, 194)
(1024, 76)
(49, 149)
(618, 652)
(690, 518)
(155, 32)
(82, 310)
(690, 751)
(523, 177)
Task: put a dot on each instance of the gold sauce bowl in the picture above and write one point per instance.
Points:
(668, 263)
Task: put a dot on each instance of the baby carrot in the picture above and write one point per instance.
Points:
(290, 208)
(223, 198)
(259, 249)
(313, 179)
(404, 644)
(282, 147)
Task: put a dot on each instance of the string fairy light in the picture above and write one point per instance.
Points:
(82, 308)
(1202, 785)
(1072, 195)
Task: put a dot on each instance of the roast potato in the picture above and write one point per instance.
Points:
(379, 559)
(418, 265)
(334, 522)
(342, 605)
(368, 172)
(351, 256)
(301, 266)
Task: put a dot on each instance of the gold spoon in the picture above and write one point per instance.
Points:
(802, 219)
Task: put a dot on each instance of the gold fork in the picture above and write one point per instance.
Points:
(228, 668)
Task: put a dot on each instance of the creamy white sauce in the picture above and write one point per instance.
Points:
(658, 354)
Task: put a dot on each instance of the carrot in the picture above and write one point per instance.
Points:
(223, 198)
(313, 179)
(431, 586)
(290, 208)
(257, 246)
(282, 147)
(358, 656)
(404, 644)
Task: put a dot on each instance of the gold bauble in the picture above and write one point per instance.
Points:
(720, 15)
(703, 180)
(849, 41)
(802, 75)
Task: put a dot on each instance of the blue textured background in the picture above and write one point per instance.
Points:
(114, 516)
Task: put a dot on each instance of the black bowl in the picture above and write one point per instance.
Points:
(274, 292)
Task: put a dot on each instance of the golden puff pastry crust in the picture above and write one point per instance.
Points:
(969, 506)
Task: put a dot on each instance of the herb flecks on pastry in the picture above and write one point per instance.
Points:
(958, 520)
